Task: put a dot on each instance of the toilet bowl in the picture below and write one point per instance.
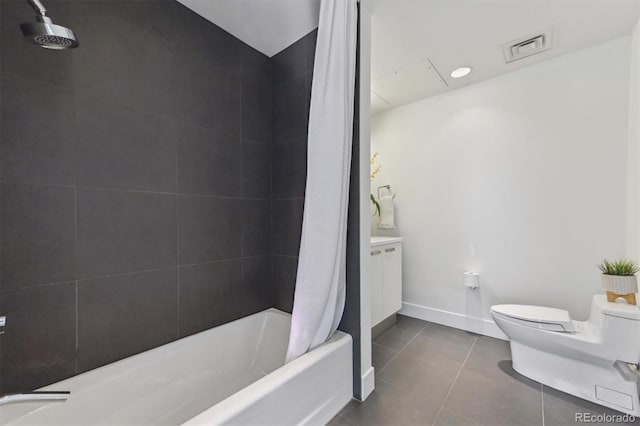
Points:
(594, 359)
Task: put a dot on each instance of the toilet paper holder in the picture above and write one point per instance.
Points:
(471, 279)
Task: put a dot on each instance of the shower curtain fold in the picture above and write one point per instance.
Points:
(320, 283)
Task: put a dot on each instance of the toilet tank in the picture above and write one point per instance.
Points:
(619, 325)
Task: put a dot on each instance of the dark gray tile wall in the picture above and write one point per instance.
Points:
(125, 314)
(156, 175)
(135, 186)
(292, 77)
(292, 71)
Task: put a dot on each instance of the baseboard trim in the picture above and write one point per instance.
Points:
(368, 383)
(383, 326)
(452, 319)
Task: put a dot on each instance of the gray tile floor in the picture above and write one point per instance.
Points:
(429, 374)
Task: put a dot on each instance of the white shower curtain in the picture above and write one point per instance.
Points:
(320, 283)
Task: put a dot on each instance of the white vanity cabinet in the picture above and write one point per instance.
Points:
(386, 277)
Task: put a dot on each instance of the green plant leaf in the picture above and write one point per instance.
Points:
(375, 203)
(622, 267)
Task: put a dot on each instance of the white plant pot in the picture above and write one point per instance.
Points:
(620, 284)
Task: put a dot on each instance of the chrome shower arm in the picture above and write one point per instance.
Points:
(38, 7)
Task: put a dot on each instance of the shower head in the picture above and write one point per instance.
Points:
(49, 35)
(45, 33)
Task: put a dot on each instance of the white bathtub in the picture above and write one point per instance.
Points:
(233, 374)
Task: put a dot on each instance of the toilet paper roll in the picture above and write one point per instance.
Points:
(471, 279)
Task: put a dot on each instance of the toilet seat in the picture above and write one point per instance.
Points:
(540, 317)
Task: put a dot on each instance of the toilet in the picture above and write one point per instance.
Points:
(595, 359)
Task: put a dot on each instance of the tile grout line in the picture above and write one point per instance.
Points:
(136, 191)
(124, 274)
(271, 281)
(143, 111)
(77, 296)
(390, 359)
(414, 337)
(76, 273)
(403, 348)
(76, 222)
(177, 200)
(542, 401)
(473, 345)
(242, 171)
(412, 356)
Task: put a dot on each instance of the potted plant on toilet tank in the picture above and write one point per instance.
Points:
(619, 279)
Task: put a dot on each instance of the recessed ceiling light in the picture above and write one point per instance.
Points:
(460, 72)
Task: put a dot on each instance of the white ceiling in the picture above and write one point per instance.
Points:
(409, 36)
(266, 25)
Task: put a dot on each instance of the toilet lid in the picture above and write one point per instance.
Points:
(536, 314)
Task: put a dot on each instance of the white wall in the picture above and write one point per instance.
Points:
(522, 178)
(633, 182)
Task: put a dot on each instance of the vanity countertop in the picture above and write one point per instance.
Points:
(379, 241)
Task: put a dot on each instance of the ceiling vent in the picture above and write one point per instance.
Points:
(527, 46)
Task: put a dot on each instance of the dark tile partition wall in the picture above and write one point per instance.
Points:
(135, 194)
(351, 319)
(292, 75)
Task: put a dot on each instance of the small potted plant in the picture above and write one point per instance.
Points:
(619, 279)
